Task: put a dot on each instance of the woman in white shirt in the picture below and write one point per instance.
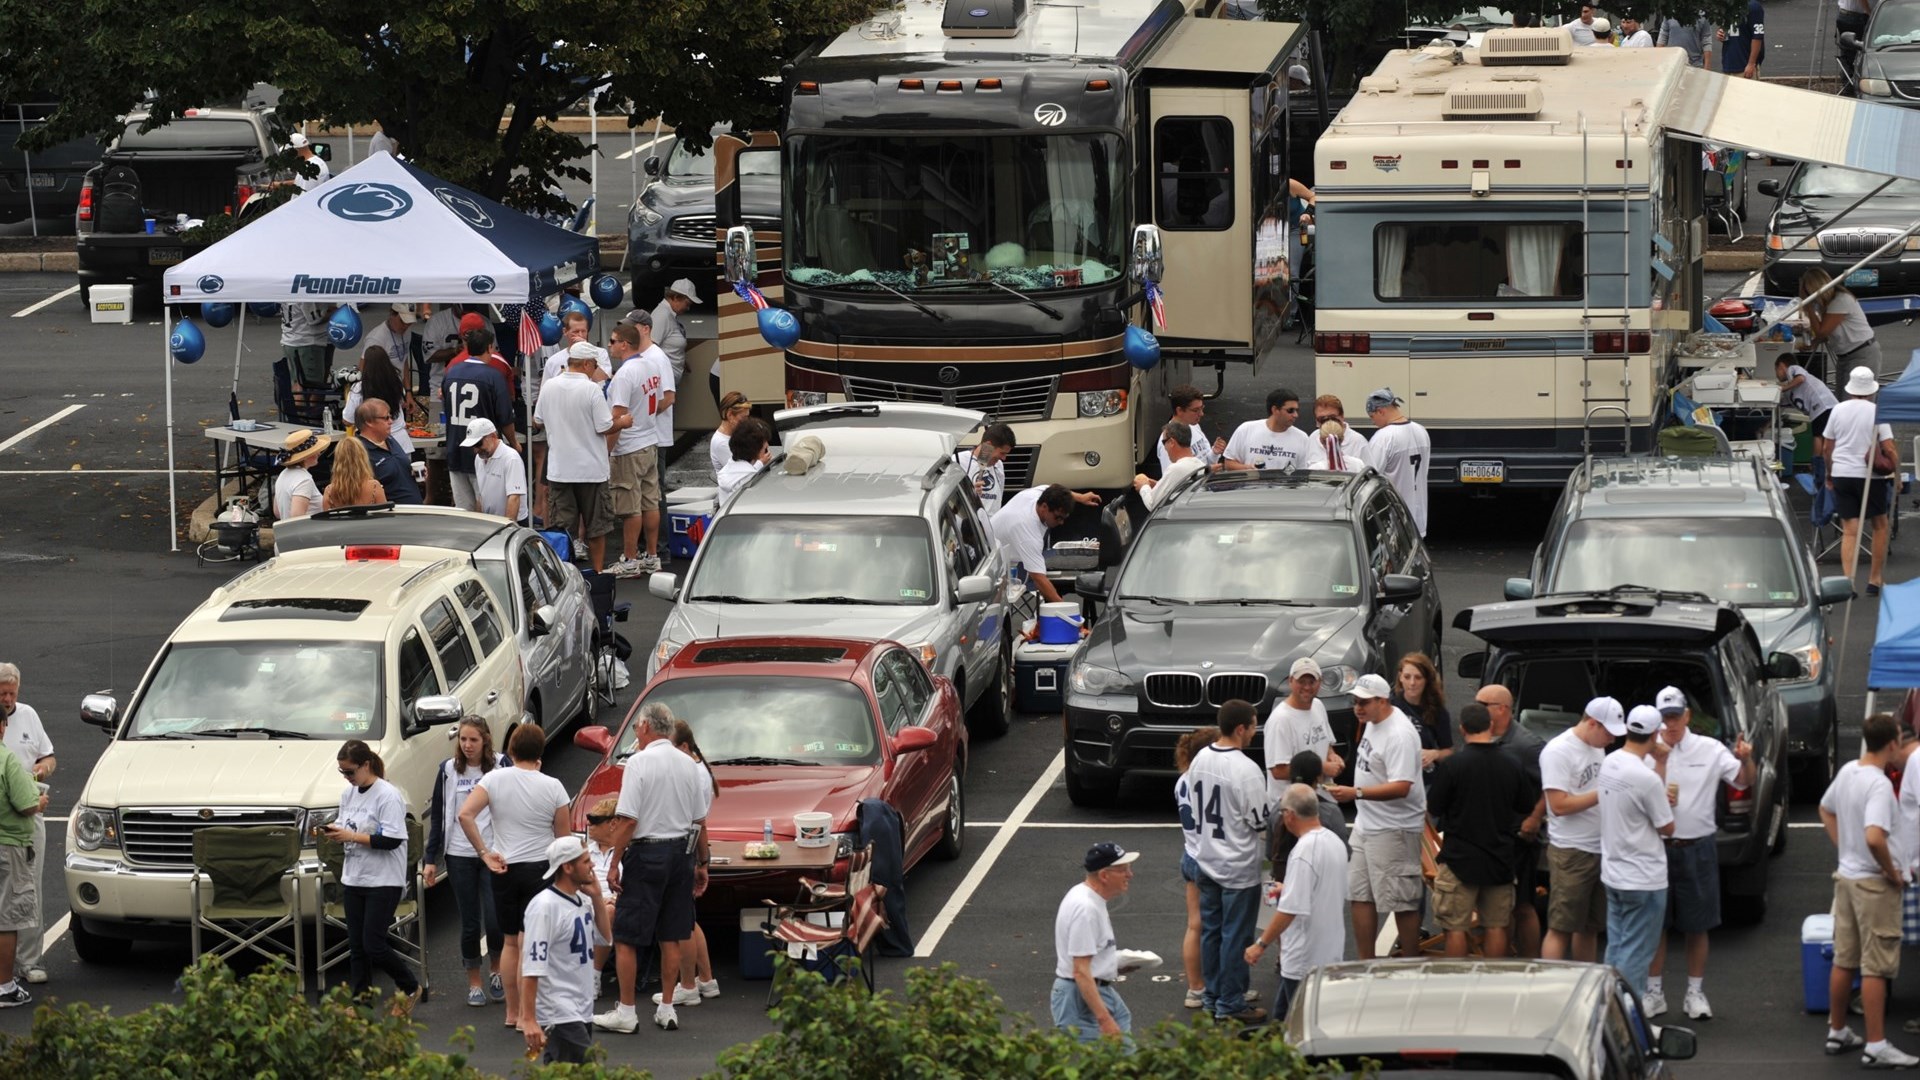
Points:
(749, 446)
(1852, 441)
(449, 849)
(379, 380)
(1834, 317)
(295, 495)
(733, 409)
(372, 828)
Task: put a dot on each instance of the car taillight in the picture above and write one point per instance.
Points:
(1739, 806)
(86, 201)
(1343, 342)
(373, 552)
(1622, 341)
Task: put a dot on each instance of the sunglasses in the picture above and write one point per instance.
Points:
(350, 772)
(599, 819)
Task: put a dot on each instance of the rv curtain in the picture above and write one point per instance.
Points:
(1533, 258)
(1389, 259)
(1070, 180)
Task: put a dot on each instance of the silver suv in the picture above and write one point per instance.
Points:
(882, 538)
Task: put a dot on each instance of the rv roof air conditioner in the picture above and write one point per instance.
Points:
(983, 18)
(1494, 101)
(1531, 45)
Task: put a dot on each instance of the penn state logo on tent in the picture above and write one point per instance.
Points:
(471, 211)
(367, 201)
(211, 283)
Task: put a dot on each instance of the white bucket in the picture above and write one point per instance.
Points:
(811, 829)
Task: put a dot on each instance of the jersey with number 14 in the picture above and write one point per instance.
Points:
(558, 950)
(1225, 811)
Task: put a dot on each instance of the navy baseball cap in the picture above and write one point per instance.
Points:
(1102, 856)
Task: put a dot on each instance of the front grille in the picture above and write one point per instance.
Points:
(1019, 466)
(692, 227)
(1855, 243)
(1019, 399)
(1174, 690)
(165, 837)
(1230, 686)
(1907, 88)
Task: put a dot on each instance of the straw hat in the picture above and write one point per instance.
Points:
(303, 445)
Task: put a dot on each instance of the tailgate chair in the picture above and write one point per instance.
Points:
(245, 889)
(408, 933)
(831, 925)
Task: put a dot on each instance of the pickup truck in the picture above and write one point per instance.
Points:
(206, 162)
(44, 184)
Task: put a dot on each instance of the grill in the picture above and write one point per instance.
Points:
(1020, 399)
(1907, 88)
(1854, 243)
(1227, 686)
(692, 227)
(1174, 689)
(165, 837)
(1019, 466)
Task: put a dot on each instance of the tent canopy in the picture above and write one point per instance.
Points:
(1896, 644)
(384, 231)
(1899, 401)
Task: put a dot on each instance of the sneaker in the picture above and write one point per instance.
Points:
(1252, 996)
(627, 1024)
(496, 990)
(708, 988)
(476, 997)
(1248, 1016)
(1888, 1056)
(682, 995)
(1696, 1006)
(36, 975)
(626, 568)
(649, 564)
(666, 1019)
(1196, 998)
(14, 998)
(1843, 1042)
(1654, 1003)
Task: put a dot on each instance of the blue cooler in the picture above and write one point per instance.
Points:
(756, 952)
(690, 513)
(1040, 675)
(1816, 961)
(1060, 623)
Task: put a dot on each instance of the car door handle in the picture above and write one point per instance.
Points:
(492, 696)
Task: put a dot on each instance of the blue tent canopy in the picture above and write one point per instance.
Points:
(1896, 643)
(1899, 403)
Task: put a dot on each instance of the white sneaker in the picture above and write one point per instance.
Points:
(625, 568)
(1696, 1006)
(1847, 1040)
(682, 995)
(1888, 1056)
(708, 988)
(1654, 1003)
(614, 1020)
(649, 564)
(666, 1019)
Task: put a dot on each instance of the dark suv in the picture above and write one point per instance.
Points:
(671, 231)
(1230, 580)
(1556, 653)
(1719, 527)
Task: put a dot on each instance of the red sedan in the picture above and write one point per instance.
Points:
(795, 725)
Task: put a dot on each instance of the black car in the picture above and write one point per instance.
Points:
(1888, 54)
(1234, 577)
(670, 230)
(1556, 653)
(1809, 200)
(46, 183)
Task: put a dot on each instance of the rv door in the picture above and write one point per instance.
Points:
(746, 185)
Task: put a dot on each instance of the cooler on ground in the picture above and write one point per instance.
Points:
(1040, 675)
(1816, 961)
(689, 515)
(756, 952)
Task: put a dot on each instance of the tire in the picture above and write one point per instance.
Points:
(97, 948)
(1084, 792)
(1811, 775)
(953, 832)
(1779, 845)
(584, 709)
(1743, 894)
(992, 715)
(539, 717)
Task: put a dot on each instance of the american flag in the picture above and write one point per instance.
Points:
(1157, 303)
(751, 295)
(529, 333)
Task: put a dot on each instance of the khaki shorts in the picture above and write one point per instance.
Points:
(1455, 901)
(1384, 870)
(1576, 901)
(20, 889)
(1866, 926)
(588, 504)
(635, 483)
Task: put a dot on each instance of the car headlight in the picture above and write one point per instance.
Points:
(1809, 655)
(643, 216)
(312, 821)
(928, 653)
(1783, 241)
(94, 828)
(1337, 679)
(1102, 402)
(800, 399)
(1096, 680)
(1876, 88)
(664, 652)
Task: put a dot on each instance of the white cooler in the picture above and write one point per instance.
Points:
(111, 303)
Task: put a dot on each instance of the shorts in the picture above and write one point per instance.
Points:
(1576, 901)
(513, 891)
(568, 1042)
(1817, 426)
(656, 895)
(1846, 497)
(1455, 901)
(589, 504)
(1693, 886)
(1384, 870)
(19, 889)
(308, 364)
(636, 482)
(1189, 870)
(1866, 926)
(1526, 871)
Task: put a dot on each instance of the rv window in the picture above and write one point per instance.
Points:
(1477, 260)
(1194, 157)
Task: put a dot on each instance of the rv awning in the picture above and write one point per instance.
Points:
(1243, 52)
(1797, 124)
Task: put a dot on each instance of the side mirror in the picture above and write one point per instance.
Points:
(1835, 590)
(1091, 585)
(434, 709)
(651, 166)
(1849, 42)
(100, 710)
(596, 738)
(1148, 264)
(973, 588)
(1400, 588)
(1781, 665)
(910, 739)
(1676, 1043)
(540, 623)
(743, 261)
(323, 151)
(1473, 665)
(1519, 588)
(1769, 186)
(664, 586)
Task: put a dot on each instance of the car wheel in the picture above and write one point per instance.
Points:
(1779, 845)
(993, 713)
(1743, 894)
(1811, 775)
(1084, 792)
(953, 830)
(97, 948)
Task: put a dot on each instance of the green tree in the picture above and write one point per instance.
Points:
(439, 76)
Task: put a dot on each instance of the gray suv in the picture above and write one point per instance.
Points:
(1718, 527)
(882, 538)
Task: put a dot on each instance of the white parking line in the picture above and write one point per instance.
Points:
(55, 932)
(54, 299)
(648, 145)
(1805, 825)
(48, 422)
(977, 873)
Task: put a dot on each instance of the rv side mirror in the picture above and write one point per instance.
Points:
(100, 710)
(743, 263)
(1091, 585)
(1783, 665)
(651, 166)
(1770, 186)
(1473, 665)
(1148, 264)
(1519, 588)
(1400, 588)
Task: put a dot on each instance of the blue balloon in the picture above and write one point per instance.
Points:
(344, 328)
(1141, 348)
(186, 342)
(607, 291)
(779, 327)
(264, 310)
(549, 328)
(571, 303)
(217, 315)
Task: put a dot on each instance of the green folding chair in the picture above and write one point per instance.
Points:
(409, 930)
(246, 889)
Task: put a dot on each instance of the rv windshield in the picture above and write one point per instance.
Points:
(1030, 212)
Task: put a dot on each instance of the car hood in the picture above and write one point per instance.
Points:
(669, 196)
(908, 625)
(217, 772)
(1142, 636)
(1883, 211)
(1775, 626)
(750, 795)
(1891, 63)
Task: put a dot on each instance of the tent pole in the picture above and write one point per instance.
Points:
(593, 162)
(239, 336)
(173, 496)
(526, 379)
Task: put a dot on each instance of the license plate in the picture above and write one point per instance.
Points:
(42, 180)
(1483, 472)
(166, 256)
(1863, 277)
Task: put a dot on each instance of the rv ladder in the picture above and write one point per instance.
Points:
(1614, 361)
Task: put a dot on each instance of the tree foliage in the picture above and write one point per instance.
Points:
(438, 75)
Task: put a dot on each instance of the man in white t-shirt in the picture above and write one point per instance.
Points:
(1636, 812)
(564, 923)
(1582, 28)
(1189, 408)
(1570, 776)
(26, 736)
(1852, 439)
(1175, 447)
(1227, 798)
(1021, 528)
(1634, 36)
(1299, 722)
(578, 418)
(1353, 445)
(311, 170)
(1276, 442)
(574, 327)
(986, 465)
(1803, 391)
(1697, 765)
(499, 472)
(1402, 451)
(1309, 919)
(1390, 818)
(641, 387)
(1086, 958)
(748, 445)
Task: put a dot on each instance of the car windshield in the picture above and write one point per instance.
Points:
(1250, 561)
(1744, 561)
(1895, 22)
(960, 212)
(768, 559)
(685, 165)
(320, 690)
(1817, 181)
(765, 720)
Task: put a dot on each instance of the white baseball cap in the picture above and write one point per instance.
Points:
(408, 313)
(1670, 700)
(1608, 712)
(297, 141)
(563, 851)
(684, 287)
(583, 350)
(1644, 720)
(1306, 665)
(1371, 686)
(477, 430)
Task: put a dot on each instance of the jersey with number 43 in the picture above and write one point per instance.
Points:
(558, 950)
(1224, 811)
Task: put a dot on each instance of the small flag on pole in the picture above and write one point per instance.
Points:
(1157, 303)
(529, 334)
(751, 295)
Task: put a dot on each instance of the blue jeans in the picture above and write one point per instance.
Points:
(472, 885)
(1226, 929)
(1070, 1012)
(1635, 920)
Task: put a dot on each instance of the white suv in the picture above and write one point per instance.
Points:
(241, 716)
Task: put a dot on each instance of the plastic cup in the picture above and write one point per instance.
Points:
(150, 224)
(1673, 792)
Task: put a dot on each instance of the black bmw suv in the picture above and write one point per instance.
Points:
(1230, 580)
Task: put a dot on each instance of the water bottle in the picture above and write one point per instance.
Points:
(766, 831)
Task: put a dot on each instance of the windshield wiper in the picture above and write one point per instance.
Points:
(273, 733)
(833, 600)
(1255, 602)
(761, 761)
(162, 735)
(883, 285)
(1030, 300)
(1164, 601)
(728, 598)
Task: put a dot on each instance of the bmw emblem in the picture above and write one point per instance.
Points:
(1050, 114)
(481, 284)
(949, 375)
(1206, 665)
(211, 283)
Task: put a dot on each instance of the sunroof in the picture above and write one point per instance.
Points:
(325, 608)
(769, 654)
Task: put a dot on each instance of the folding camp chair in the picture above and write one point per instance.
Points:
(408, 933)
(828, 942)
(245, 888)
(291, 410)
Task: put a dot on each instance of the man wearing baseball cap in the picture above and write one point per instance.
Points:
(564, 923)
(499, 473)
(1636, 812)
(1570, 776)
(1389, 822)
(1697, 765)
(667, 333)
(1299, 722)
(1086, 959)
(1402, 452)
